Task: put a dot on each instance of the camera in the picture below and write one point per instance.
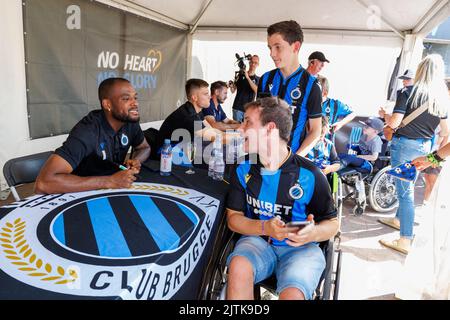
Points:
(240, 61)
(241, 64)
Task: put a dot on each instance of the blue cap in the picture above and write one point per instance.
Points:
(167, 141)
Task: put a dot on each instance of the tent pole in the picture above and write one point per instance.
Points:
(436, 9)
(197, 21)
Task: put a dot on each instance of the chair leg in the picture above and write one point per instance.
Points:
(15, 194)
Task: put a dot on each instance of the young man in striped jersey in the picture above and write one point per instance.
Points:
(279, 188)
(291, 82)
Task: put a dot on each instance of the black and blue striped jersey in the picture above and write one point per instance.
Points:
(296, 189)
(323, 154)
(334, 110)
(301, 91)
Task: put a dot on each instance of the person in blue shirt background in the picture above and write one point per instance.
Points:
(214, 114)
(280, 187)
(324, 153)
(337, 112)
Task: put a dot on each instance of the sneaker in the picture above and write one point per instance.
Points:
(401, 245)
(391, 222)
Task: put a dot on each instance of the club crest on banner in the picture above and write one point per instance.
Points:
(137, 243)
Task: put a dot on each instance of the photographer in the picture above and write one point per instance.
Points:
(246, 84)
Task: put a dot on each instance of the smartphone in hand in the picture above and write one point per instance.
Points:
(298, 224)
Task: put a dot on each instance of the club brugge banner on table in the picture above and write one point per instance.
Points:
(138, 243)
(72, 45)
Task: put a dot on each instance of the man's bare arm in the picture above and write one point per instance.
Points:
(142, 151)
(56, 177)
(312, 136)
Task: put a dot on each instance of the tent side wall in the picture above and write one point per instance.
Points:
(14, 132)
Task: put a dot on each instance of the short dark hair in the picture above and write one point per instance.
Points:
(274, 109)
(104, 89)
(193, 84)
(218, 85)
(289, 30)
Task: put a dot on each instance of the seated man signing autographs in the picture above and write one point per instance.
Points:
(93, 156)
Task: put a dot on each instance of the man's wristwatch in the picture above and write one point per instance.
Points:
(437, 157)
(434, 159)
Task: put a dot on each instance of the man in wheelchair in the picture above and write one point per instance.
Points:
(264, 196)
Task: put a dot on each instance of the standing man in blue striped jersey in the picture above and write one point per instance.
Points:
(279, 188)
(337, 112)
(291, 82)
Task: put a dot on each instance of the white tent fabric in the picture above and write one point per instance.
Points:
(398, 16)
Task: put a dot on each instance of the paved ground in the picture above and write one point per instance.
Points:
(369, 271)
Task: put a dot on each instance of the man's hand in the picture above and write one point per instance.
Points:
(133, 164)
(326, 170)
(421, 163)
(303, 236)
(276, 228)
(122, 179)
(336, 126)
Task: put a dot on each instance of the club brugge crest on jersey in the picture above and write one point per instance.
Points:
(296, 192)
(124, 140)
(137, 243)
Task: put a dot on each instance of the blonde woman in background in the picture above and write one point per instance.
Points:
(414, 139)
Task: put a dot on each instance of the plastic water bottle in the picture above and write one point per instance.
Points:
(165, 168)
(211, 164)
(219, 164)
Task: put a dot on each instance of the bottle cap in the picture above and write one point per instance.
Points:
(167, 141)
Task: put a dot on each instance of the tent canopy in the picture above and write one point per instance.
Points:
(400, 17)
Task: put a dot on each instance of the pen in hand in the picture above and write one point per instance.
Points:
(123, 168)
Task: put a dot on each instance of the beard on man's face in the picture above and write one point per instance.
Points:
(125, 118)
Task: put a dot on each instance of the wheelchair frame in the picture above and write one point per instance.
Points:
(215, 277)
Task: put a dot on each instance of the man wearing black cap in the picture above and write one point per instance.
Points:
(316, 61)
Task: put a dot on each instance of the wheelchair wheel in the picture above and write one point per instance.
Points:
(216, 290)
(382, 193)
